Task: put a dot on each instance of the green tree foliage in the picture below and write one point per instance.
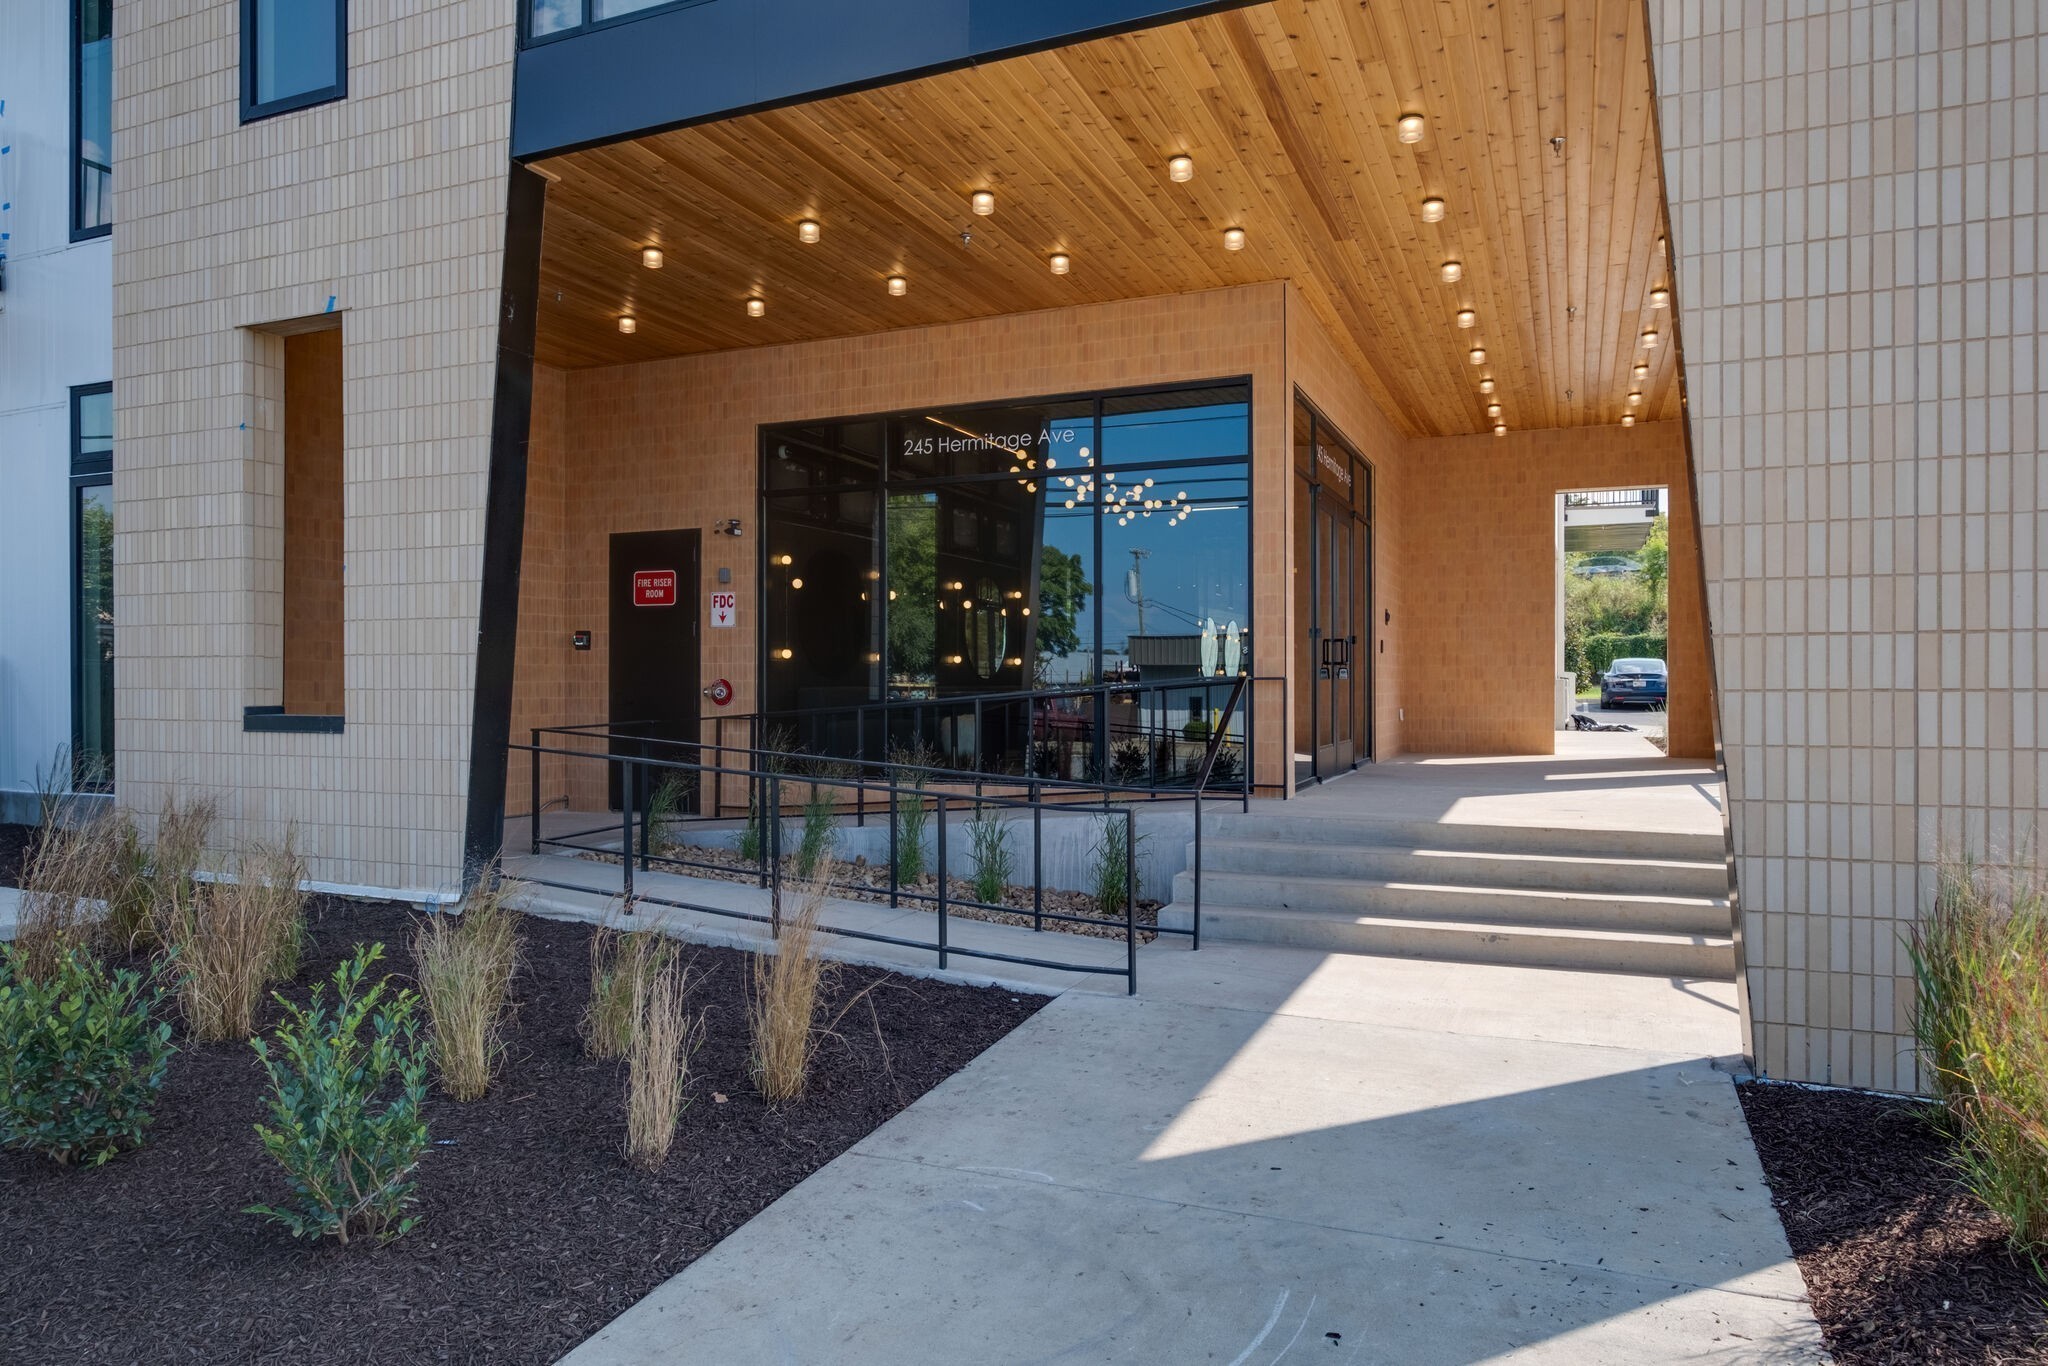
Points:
(1655, 558)
(1063, 590)
(913, 578)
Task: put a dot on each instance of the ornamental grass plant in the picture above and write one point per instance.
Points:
(227, 940)
(623, 963)
(658, 1065)
(465, 964)
(1980, 1017)
(788, 991)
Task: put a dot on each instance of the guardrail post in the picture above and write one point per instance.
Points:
(941, 838)
(647, 823)
(1130, 902)
(626, 830)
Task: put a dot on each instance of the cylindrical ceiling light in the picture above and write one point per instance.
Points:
(1477, 355)
(756, 307)
(984, 202)
(1500, 429)
(1408, 128)
(1628, 419)
(1180, 169)
(1642, 370)
(1493, 410)
(1649, 337)
(1486, 385)
(1635, 396)
(1452, 271)
(898, 286)
(650, 257)
(1432, 210)
(1660, 297)
(1059, 262)
(629, 324)
(1233, 239)
(1467, 318)
(808, 231)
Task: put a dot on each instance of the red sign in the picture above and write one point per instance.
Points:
(654, 588)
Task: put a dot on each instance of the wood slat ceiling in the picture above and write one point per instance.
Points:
(1288, 109)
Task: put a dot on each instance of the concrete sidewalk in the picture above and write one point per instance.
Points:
(1275, 1155)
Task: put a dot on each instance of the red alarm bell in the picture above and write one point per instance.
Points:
(719, 692)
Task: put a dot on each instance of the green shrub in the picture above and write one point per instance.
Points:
(82, 1057)
(622, 965)
(345, 1109)
(753, 846)
(988, 847)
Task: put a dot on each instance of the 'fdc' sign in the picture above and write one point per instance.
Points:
(654, 588)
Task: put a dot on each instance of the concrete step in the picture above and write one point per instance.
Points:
(1451, 902)
(1642, 952)
(1476, 868)
(1286, 823)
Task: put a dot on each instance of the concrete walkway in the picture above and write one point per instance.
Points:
(1274, 1155)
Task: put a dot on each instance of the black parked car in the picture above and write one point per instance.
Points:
(1634, 683)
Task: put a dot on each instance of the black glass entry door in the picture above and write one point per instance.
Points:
(1333, 604)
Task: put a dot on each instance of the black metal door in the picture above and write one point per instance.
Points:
(655, 697)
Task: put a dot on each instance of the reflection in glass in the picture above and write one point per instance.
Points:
(552, 16)
(93, 640)
(296, 52)
(93, 190)
(1016, 561)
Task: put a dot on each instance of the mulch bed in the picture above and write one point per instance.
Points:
(535, 1231)
(14, 841)
(1901, 1263)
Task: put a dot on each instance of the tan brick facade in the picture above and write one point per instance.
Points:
(1854, 204)
(387, 206)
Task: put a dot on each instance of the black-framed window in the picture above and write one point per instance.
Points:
(92, 588)
(978, 550)
(92, 118)
(294, 54)
(544, 20)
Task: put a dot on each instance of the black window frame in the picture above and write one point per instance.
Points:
(253, 109)
(586, 24)
(87, 471)
(76, 158)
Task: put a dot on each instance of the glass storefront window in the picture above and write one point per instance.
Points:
(1002, 558)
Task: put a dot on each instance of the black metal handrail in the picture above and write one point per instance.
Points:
(765, 772)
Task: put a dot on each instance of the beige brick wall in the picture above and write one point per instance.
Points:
(388, 205)
(1853, 188)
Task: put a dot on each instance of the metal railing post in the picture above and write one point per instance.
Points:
(533, 802)
(941, 838)
(626, 830)
(1196, 940)
(772, 849)
(1130, 903)
(1037, 858)
(647, 823)
(894, 800)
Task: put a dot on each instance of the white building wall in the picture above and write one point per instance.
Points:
(56, 331)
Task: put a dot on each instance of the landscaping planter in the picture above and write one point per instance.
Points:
(535, 1232)
(1901, 1263)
